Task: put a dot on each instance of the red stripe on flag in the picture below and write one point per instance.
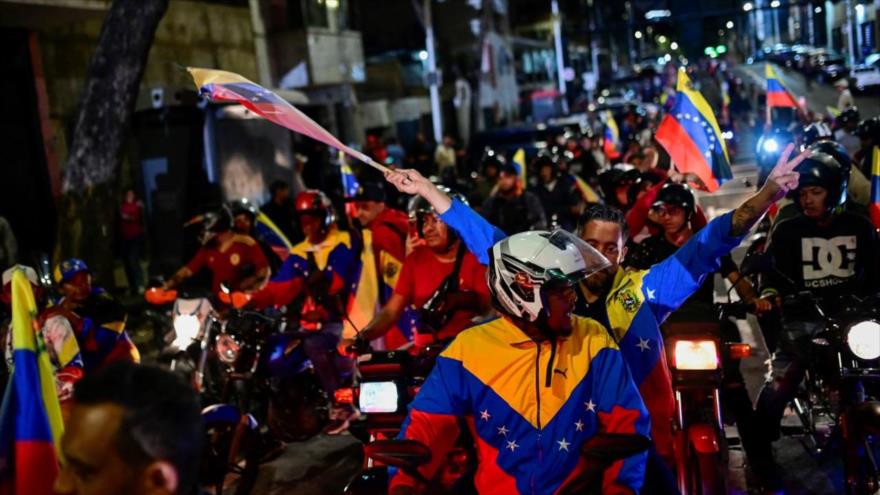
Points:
(656, 390)
(35, 467)
(780, 99)
(874, 210)
(490, 478)
(684, 153)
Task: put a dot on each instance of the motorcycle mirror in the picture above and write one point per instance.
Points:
(403, 454)
(756, 263)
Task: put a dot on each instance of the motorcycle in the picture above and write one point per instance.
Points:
(700, 353)
(842, 382)
(183, 328)
(263, 368)
(385, 383)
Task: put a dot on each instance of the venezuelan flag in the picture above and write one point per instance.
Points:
(30, 421)
(691, 136)
(874, 206)
(519, 160)
(611, 142)
(586, 191)
(777, 94)
(269, 233)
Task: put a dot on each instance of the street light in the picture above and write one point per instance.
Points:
(818, 10)
(729, 24)
(748, 6)
(423, 55)
(774, 4)
(638, 35)
(673, 46)
(661, 39)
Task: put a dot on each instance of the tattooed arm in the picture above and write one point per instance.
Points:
(782, 179)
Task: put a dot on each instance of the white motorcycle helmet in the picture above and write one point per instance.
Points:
(523, 264)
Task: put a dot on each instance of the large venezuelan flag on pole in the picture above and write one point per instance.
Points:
(30, 421)
(691, 136)
(220, 85)
(777, 94)
(874, 206)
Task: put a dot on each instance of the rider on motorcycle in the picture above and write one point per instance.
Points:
(631, 303)
(384, 233)
(826, 251)
(321, 268)
(235, 260)
(556, 190)
(98, 320)
(441, 281)
(510, 205)
(533, 385)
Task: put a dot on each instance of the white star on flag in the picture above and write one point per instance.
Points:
(563, 445)
(484, 415)
(511, 444)
(503, 430)
(579, 426)
(590, 405)
(650, 293)
(643, 344)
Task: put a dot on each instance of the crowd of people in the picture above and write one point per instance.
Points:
(549, 279)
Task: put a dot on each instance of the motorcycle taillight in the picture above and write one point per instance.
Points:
(344, 396)
(695, 355)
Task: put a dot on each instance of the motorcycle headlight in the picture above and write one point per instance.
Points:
(863, 339)
(186, 329)
(770, 145)
(227, 348)
(695, 355)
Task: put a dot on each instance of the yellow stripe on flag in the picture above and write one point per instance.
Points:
(212, 76)
(519, 158)
(362, 304)
(875, 162)
(26, 336)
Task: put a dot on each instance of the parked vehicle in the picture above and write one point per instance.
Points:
(866, 76)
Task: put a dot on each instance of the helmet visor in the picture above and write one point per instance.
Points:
(581, 260)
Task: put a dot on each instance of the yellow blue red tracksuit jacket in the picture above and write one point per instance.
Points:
(529, 415)
(638, 302)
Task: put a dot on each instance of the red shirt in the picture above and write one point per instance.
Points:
(423, 273)
(227, 261)
(130, 225)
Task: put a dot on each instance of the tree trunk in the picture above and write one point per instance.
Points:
(90, 198)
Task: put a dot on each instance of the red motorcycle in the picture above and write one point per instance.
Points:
(698, 355)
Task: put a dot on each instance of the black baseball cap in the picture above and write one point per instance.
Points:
(368, 191)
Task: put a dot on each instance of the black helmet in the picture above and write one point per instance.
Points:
(826, 171)
(243, 206)
(213, 223)
(622, 174)
(817, 131)
(492, 157)
(836, 150)
(419, 207)
(679, 195)
(850, 115)
(870, 129)
(545, 157)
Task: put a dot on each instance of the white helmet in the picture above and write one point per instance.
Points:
(524, 263)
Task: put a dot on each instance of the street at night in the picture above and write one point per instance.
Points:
(350, 247)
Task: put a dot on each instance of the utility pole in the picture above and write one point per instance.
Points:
(850, 23)
(433, 77)
(560, 61)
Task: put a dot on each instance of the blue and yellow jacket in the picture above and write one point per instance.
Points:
(529, 416)
(337, 260)
(636, 305)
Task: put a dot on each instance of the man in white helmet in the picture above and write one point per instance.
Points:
(533, 385)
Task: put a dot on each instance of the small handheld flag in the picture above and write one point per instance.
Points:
(874, 206)
(220, 85)
(519, 160)
(777, 94)
(691, 136)
(611, 143)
